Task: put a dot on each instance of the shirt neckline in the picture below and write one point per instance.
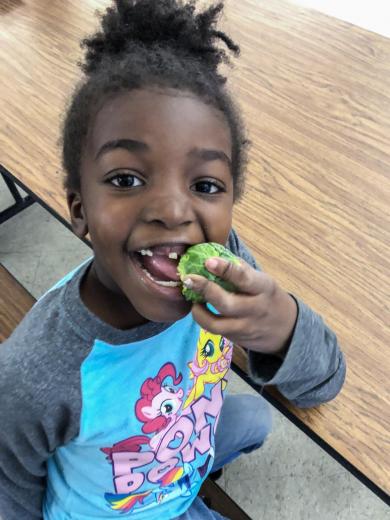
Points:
(92, 327)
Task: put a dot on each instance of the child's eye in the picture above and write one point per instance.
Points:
(125, 180)
(210, 187)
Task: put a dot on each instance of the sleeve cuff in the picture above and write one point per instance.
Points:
(313, 370)
(267, 369)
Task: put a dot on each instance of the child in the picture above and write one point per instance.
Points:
(115, 386)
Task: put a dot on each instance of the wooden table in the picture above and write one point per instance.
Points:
(316, 95)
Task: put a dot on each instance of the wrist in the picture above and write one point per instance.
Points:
(288, 314)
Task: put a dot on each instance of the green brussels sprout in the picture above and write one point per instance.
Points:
(192, 262)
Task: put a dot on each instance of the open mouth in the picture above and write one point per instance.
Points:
(159, 263)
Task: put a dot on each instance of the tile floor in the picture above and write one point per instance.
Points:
(290, 478)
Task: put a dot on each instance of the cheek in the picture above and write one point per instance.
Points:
(109, 221)
(220, 221)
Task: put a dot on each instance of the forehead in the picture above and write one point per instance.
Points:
(160, 117)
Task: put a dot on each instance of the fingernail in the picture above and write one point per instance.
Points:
(188, 283)
(212, 263)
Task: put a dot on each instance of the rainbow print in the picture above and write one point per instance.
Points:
(125, 503)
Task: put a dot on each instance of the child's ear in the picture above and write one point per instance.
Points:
(77, 213)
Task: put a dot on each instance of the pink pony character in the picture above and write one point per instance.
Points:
(159, 404)
(157, 408)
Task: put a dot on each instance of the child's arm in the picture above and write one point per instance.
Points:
(24, 449)
(23, 455)
(32, 425)
(289, 345)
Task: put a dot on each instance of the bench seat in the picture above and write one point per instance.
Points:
(15, 302)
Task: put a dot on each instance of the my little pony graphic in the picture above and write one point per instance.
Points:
(157, 408)
(175, 449)
(213, 357)
(159, 404)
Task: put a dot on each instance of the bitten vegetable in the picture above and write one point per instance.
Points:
(192, 262)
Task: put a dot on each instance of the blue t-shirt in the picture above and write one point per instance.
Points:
(103, 423)
(147, 425)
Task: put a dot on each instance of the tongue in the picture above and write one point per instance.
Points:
(161, 267)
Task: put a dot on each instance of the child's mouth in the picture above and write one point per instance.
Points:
(159, 263)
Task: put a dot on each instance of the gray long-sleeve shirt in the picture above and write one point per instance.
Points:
(46, 381)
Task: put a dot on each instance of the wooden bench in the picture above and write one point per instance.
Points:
(217, 499)
(15, 302)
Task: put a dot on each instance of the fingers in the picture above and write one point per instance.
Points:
(251, 316)
(217, 324)
(252, 292)
(244, 277)
(228, 304)
(241, 330)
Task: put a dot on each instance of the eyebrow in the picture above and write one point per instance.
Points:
(138, 146)
(210, 155)
(128, 144)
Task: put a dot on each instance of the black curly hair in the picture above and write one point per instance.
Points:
(152, 43)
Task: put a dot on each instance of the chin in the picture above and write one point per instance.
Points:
(167, 313)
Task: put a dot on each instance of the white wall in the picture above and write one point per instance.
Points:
(373, 15)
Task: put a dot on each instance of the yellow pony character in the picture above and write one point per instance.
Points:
(212, 361)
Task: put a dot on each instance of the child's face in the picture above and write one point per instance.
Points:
(155, 171)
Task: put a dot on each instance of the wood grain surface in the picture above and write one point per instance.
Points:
(15, 302)
(315, 93)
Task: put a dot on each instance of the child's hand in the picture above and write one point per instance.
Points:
(260, 316)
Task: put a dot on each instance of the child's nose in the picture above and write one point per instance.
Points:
(169, 209)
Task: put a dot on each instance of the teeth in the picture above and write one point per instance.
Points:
(168, 284)
(161, 282)
(148, 252)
